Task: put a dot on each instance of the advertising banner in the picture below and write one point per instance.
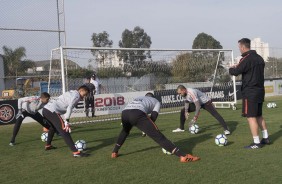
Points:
(169, 98)
(106, 104)
(8, 111)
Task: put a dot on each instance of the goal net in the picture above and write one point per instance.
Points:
(126, 73)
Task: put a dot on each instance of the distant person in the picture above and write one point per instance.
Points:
(200, 100)
(29, 107)
(251, 67)
(64, 106)
(89, 99)
(136, 114)
(97, 84)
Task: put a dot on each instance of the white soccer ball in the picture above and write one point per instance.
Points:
(194, 129)
(221, 140)
(44, 136)
(269, 105)
(273, 105)
(166, 152)
(80, 145)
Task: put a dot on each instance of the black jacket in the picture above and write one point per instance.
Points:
(251, 66)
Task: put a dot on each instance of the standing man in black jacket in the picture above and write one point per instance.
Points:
(251, 66)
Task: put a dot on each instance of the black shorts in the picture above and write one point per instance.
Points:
(251, 109)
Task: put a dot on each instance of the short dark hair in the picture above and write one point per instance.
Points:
(180, 87)
(246, 42)
(84, 87)
(45, 95)
(88, 78)
(150, 94)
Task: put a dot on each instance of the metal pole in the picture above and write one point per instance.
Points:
(58, 16)
(62, 71)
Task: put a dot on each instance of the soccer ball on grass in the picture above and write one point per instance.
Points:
(80, 145)
(194, 129)
(44, 136)
(221, 140)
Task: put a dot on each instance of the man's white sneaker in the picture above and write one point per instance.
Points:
(178, 130)
(227, 132)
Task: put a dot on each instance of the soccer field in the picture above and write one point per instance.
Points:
(141, 160)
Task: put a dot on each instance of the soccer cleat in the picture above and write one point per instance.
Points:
(227, 132)
(50, 147)
(265, 141)
(80, 154)
(254, 146)
(143, 134)
(114, 155)
(189, 158)
(178, 130)
(12, 144)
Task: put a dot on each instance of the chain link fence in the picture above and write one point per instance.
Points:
(29, 30)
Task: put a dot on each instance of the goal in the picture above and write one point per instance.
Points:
(125, 73)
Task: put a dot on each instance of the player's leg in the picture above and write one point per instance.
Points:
(40, 119)
(146, 125)
(251, 111)
(262, 126)
(17, 127)
(211, 109)
(92, 106)
(182, 121)
(126, 127)
(58, 123)
(86, 103)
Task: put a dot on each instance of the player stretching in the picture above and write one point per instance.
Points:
(29, 106)
(63, 106)
(201, 101)
(135, 114)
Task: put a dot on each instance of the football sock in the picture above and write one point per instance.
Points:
(264, 134)
(256, 139)
(117, 146)
(178, 153)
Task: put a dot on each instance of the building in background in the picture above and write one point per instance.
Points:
(261, 48)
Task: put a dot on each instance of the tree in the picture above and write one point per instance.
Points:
(205, 41)
(102, 40)
(200, 65)
(12, 59)
(137, 38)
(25, 65)
(273, 68)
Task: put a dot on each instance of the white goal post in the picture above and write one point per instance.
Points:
(133, 70)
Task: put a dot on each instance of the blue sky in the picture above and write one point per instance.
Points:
(171, 24)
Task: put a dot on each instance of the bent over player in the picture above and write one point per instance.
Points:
(136, 114)
(29, 106)
(63, 106)
(201, 101)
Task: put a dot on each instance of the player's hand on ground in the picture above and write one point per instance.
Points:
(67, 126)
(186, 115)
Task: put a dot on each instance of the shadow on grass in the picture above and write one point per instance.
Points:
(78, 129)
(139, 151)
(275, 136)
(232, 125)
(187, 145)
(109, 141)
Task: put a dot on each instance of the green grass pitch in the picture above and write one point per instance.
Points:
(141, 160)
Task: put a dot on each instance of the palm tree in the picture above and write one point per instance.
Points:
(12, 59)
